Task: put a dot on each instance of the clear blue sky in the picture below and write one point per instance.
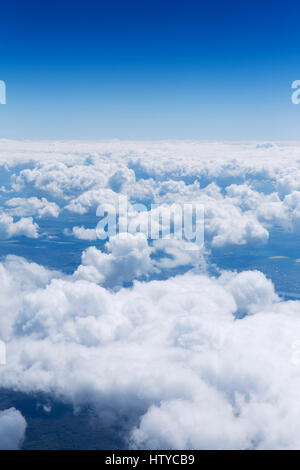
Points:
(150, 69)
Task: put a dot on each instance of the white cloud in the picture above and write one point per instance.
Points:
(12, 429)
(128, 259)
(245, 184)
(32, 206)
(194, 361)
(169, 355)
(56, 178)
(90, 200)
(84, 233)
(177, 253)
(24, 226)
(251, 291)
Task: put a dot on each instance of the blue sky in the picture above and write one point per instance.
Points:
(149, 70)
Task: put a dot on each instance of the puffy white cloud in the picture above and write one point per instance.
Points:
(245, 184)
(171, 361)
(84, 233)
(90, 200)
(177, 253)
(24, 226)
(202, 423)
(193, 361)
(57, 178)
(17, 278)
(12, 429)
(251, 291)
(128, 259)
(228, 225)
(122, 180)
(32, 206)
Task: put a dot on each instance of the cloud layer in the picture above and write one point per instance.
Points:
(190, 362)
(253, 186)
(194, 358)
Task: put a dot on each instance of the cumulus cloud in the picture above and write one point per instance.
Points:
(251, 290)
(129, 258)
(90, 200)
(121, 180)
(245, 184)
(84, 233)
(176, 253)
(12, 429)
(22, 227)
(190, 362)
(56, 178)
(32, 206)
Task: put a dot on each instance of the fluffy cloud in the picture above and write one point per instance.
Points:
(129, 258)
(247, 185)
(12, 429)
(90, 200)
(32, 206)
(251, 290)
(176, 253)
(23, 227)
(56, 178)
(190, 362)
(84, 233)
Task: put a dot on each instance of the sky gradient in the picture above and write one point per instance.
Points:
(149, 70)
